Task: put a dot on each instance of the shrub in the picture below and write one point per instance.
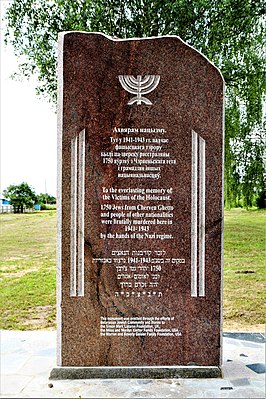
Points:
(48, 207)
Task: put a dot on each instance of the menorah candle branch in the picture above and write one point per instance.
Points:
(139, 86)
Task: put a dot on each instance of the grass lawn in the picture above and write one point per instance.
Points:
(244, 270)
(27, 270)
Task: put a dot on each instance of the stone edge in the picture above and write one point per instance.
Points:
(116, 39)
(160, 372)
(59, 197)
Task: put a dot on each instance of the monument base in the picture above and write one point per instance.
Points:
(156, 372)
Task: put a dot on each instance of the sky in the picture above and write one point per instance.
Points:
(28, 129)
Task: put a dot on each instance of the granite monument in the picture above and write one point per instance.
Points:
(140, 216)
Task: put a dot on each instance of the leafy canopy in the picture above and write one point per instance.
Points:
(21, 196)
(46, 199)
(231, 33)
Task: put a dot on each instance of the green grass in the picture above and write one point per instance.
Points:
(244, 268)
(27, 270)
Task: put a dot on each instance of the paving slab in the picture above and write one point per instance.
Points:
(27, 358)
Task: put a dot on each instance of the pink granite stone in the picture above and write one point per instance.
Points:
(139, 277)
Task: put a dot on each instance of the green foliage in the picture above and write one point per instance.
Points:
(47, 207)
(48, 202)
(261, 200)
(21, 196)
(46, 199)
(231, 33)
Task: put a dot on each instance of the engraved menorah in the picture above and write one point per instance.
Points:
(139, 86)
